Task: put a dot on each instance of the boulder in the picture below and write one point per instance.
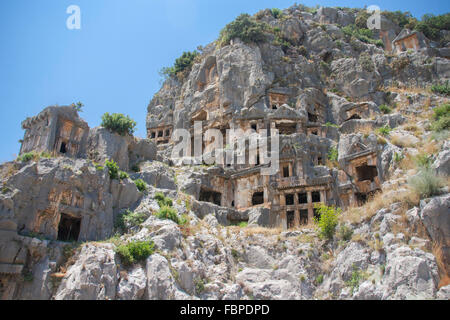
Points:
(92, 277)
(442, 162)
(410, 274)
(132, 284)
(106, 145)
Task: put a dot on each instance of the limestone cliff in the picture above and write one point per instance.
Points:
(360, 129)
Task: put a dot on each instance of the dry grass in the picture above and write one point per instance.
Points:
(408, 163)
(431, 147)
(381, 200)
(397, 141)
(248, 232)
(366, 130)
(411, 128)
(8, 169)
(406, 90)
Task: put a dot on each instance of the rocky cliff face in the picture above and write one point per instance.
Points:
(395, 246)
(318, 55)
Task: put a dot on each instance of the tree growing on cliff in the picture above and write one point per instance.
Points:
(118, 123)
(182, 66)
(245, 28)
(327, 220)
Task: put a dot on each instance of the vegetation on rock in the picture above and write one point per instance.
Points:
(245, 28)
(113, 169)
(327, 221)
(130, 219)
(135, 251)
(118, 123)
(182, 65)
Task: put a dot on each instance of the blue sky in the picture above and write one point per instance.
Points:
(112, 63)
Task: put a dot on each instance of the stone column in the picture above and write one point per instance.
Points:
(310, 207)
(297, 218)
(283, 220)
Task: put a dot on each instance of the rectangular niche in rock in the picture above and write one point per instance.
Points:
(258, 198)
(303, 217)
(290, 215)
(210, 196)
(69, 228)
(366, 173)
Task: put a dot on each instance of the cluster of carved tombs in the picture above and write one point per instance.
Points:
(290, 195)
(302, 180)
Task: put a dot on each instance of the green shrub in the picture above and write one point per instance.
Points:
(345, 232)
(162, 200)
(45, 155)
(123, 175)
(245, 28)
(329, 124)
(441, 118)
(118, 123)
(243, 225)
(366, 62)
(333, 154)
(361, 19)
(130, 219)
(113, 169)
(398, 157)
(363, 34)
(432, 25)
(141, 185)
(182, 66)
(184, 220)
(199, 286)
(400, 63)
(403, 19)
(276, 13)
(319, 279)
(78, 106)
(385, 109)
(355, 279)
(26, 157)
(168, 213)
(384, 131)
(327, 221)
(441, 124)
(441, 111)
(136, 251)
(426, 183)
(441, 88)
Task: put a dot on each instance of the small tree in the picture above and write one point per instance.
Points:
(385, 109)
(113, 169)
(141, 185)
(78, 106)
(276, 13)
(384, 131)
(245, 28)
(135, 251)
(168, 213)
(327, 220)
(118, 123)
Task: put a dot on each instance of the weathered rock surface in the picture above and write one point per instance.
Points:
(92, 277)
